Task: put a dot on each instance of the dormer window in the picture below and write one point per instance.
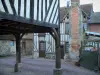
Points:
(67, 17)
(84, 17)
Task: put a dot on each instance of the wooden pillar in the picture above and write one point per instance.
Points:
(58, 52)
(56, 36)
(18, 52)
(58, 70)
(18, 48)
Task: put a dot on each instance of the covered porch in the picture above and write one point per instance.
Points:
(18, 17)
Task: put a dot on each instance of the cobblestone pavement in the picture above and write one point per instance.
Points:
(39, 66)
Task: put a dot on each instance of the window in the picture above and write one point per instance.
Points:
(67, 28)
(85, 26)
(11, 43)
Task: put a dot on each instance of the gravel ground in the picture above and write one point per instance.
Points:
(39, 66)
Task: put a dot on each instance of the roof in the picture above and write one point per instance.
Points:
(63, 12)
(95, 18)
(86, 9)
(75, 1)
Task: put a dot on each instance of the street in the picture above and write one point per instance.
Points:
(39, 66)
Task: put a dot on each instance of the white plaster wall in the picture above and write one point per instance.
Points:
(6, 48)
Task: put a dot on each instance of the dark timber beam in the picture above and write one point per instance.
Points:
(12, 6)
(19, 7)
(4, 5)
(18, 47)
(46, 6)
(22, 35)
(18, 50)
(52, 10)
(58, 69)
(57, 43)
(54, 15)
(25, 8)
(32, 10)
(53, 35)
(42, 10)
(37, 9)
(56, 36)
(47, 11)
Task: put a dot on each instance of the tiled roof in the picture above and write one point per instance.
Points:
(86, 9)
(95, 18)
(75, 0)
(63, 12)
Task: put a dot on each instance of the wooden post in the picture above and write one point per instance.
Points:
(18, 37)
(58, 54)
(18, 52)
(56, 36)
(58, 70)
(18, 48)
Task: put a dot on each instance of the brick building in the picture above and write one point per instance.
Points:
(94, 26)
(94, 23)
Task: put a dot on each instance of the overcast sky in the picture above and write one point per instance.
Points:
(96, 3)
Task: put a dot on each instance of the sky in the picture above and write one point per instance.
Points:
(96, 4)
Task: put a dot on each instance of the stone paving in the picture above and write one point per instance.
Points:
(39, 66)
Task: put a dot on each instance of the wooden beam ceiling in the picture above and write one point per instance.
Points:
(9, 27)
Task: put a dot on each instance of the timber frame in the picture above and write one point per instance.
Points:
(19, 25)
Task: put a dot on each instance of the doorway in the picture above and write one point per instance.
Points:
(62, 51)
(42, 48)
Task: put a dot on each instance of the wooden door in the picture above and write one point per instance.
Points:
(62, 51)
(42, 48)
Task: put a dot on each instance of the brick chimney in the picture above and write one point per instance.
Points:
(74, 20)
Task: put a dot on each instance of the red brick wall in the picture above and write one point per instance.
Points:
(75, 28)
(75, 23)
(74, 20)
(94, 28)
